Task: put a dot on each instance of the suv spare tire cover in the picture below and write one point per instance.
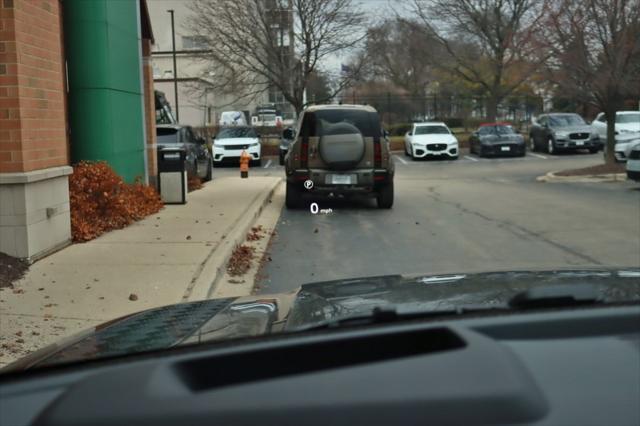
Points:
(341, 145)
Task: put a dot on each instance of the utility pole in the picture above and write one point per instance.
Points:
(175, 68)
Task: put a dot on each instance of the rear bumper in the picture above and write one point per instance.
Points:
(363, 180)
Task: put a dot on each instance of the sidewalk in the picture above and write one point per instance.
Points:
(167, 258)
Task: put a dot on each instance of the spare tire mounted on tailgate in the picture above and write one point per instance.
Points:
(341, 145)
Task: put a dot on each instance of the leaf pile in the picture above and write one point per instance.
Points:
(194, 183)
(11, 269)
(240, 260)
(255, 234)
(101, 201)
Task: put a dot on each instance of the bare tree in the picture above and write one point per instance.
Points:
(254, 47)
(489, 43)
(402, 54)
(596, 54)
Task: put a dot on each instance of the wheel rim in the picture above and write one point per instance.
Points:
(532, 143)
(550, 146)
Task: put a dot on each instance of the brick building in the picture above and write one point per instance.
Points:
(38, 131)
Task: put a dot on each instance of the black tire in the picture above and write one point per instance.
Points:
(532, 144)
(292, 197)
(209, 174)
(481, 152)
(256, 163)
(594, 150)
(385, 196)
(281, 159)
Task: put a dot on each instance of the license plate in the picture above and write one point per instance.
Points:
(505, 148)
(579, 143)
(342, 179)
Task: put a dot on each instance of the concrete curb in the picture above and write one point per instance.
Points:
(551, 177)
(215, 265)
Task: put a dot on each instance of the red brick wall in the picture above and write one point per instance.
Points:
(32, 86)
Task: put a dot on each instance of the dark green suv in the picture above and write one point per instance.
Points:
(340, 150)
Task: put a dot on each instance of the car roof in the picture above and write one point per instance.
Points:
(324, 107)
(430, 123)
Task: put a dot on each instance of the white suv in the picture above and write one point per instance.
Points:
(627, 128)
(432, 139)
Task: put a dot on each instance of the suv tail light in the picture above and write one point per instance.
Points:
(377, 153)
(304, 153)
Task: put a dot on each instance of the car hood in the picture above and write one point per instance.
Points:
(630, 127)
(574, 129)
(313, 304)
(490, 139)
(436, 138)
(235, 141)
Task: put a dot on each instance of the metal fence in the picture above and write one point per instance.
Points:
(457, 110)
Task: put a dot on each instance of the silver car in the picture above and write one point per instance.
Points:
(557, 132)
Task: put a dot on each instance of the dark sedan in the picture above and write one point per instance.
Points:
(493, 139)
(199, 161)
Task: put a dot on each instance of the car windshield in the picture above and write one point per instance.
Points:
(566, 120)
(237, 132)
(431, 130)
(190, 171)
(498, 129)
(628, 118)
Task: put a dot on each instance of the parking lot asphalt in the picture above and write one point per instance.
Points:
(471, 214)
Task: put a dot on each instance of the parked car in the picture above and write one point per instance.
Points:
(229, 143)
(497, 139)
(430, 139)
(562, 132)
(624, 142)
(633, 162)
(626, 122)
(197, 152)
(288, 135)
(341, 150)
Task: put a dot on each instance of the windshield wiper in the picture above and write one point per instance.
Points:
(389, 314)
(563, 295)
(555, 296)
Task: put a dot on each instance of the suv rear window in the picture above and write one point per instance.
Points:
(367, 122)
(167, 136)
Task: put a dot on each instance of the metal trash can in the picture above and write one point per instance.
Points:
(172, 175)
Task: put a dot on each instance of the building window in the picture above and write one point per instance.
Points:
(194, 42)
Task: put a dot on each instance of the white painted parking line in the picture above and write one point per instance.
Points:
(471, 158)
(266, 166)
(401, 159)
(537, 155)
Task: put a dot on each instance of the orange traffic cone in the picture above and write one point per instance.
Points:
(244, 164)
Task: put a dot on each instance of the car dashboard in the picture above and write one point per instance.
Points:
(578, 366)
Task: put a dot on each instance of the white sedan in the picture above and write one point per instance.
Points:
(229, 143)
(431, 140)
(626, 122)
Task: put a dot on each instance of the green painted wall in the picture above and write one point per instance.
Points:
(105, 92)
